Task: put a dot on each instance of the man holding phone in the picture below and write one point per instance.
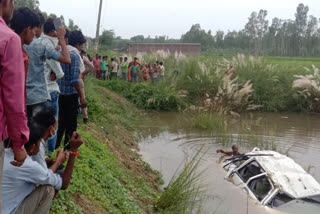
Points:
(53, 72)
(39, 51)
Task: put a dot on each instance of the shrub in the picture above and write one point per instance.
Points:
(272, 84)
(147, 96)
(309, 88)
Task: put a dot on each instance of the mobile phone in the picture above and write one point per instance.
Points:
(57, 23)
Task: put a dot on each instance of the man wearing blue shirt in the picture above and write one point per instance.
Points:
(71, 89)
(39, 51)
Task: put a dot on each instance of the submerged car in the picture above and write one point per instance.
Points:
(275, 181)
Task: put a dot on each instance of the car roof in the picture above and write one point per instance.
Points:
(287, 175)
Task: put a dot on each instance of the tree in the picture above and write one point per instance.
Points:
(312, 26)
(219, 39)
(160, 39)
(120, 44)
(53, 16)
(33, 4)
(72, 26)
(251, 28)
(137, 39)
(262, 27)
(62, 20)
(157, 39)
(197, 35)
(301, 26)
(301, 19)
(256, 28)
(107, 37)
(311, 40)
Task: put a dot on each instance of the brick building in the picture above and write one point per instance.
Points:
(188, 49)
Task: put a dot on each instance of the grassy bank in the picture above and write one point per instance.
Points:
(146, 96)
(109, 176)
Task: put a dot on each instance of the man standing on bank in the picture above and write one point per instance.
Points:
(71, 89)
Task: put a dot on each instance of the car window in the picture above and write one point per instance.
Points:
(250, 170)
(260, 187)
(239, 162)
(279, 199)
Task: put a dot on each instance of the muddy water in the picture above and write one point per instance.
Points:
(168, 139)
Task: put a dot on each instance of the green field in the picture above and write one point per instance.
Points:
(294, 61)
(288, 61)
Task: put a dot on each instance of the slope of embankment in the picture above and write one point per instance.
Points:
(109, 176)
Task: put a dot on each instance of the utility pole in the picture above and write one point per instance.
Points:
(98, 29)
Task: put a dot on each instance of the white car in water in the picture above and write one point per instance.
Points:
(275, 181)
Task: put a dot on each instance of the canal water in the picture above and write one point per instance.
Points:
(168, 139)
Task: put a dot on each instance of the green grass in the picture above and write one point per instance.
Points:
(295, 62)
(146, 96)
(184, 192)
(299, 62)
(209, 121)
(104, 52)
(99, 176)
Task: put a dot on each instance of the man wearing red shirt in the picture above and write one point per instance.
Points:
(133, 70)
(96, 64)
(231, 72)
(13, 118)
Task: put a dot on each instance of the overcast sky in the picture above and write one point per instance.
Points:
(170, 17)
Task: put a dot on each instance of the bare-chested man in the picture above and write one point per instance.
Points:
(235, 151)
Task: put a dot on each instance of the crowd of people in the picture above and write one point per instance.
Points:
(123, 69)
(42, 67)
(41, 91)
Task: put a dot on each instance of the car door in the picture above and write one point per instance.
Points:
(260, 187)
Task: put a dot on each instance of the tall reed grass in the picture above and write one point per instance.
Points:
(184, 194)
(209, 121)
(257, 85)
(309, 88)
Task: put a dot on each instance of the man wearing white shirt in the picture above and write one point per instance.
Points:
(31, 187)
(46, 119)
(161, 70)
(53, 72)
